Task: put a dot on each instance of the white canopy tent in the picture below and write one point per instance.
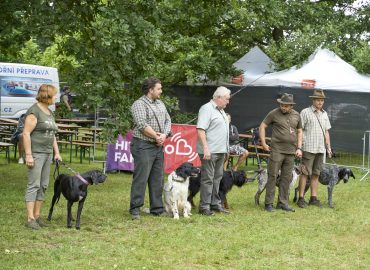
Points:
(324, 70)
(253, 63)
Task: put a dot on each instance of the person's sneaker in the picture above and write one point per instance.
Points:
(316, 202)
(135, 217)
(302, 204)
(41, 222)
(20, 161)
(32, 224)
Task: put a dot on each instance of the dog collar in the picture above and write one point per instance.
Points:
(82, 179)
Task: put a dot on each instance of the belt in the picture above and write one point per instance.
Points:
(145, 141)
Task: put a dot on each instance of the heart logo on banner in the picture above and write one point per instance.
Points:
(185, 146)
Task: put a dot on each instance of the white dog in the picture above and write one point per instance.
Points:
(176, 190)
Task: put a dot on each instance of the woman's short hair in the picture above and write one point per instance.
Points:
(221, 92)
(46, 94)
(149, 84)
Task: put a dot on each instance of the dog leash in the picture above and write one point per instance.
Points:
(77, 174)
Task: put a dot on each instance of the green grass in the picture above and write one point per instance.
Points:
(248, 238)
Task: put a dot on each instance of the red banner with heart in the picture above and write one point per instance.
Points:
(181, 147)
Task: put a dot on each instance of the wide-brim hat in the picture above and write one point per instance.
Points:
(319, 94)
(286, 99)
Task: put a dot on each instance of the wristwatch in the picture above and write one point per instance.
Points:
(329, 149)
(299, 149)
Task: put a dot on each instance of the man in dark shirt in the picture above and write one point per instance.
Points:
(65, 97)
(235, 149)
(286, 141)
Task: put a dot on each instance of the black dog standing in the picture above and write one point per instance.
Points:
(238, 178)
(74, 189)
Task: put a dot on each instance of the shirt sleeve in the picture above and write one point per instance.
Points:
(64, 98)
(204, 118)
(299, 126)
(268, 119)
(234, 137)
(167, 125)
(327, 124)
(303, 116)
(138, 112)
(31, 110)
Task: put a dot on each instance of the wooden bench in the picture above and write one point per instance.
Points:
(5, 147)
(252, 146)
(101, 143)
(15, 146)
(263, 156)
(89, 133)
(83, 137)
(84, 146)
(231, 159)
(5, 135)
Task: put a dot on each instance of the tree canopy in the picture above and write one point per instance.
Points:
(117, 44)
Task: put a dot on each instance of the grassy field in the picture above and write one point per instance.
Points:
(248, 238)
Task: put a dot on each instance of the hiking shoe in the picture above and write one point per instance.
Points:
(286, 208)
(302, 204)
(269, 208)
(33, 225)
(135, 217)
(20, 161)
(220, 210)
(317, 203)
(206, 212)
(41, 222)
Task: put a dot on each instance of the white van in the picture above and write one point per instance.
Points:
(20, 84)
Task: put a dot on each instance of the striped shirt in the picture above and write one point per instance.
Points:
(144, 117)
(313, 137)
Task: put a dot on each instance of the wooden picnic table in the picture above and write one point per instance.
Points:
(68, 136)
(13, 125)
(65, 126)
(77, 121)
(245, 136)
(9, 120)
(9, 124)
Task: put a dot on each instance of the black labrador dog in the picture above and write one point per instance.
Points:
(329, 176)
(74, 190)
(238, 178)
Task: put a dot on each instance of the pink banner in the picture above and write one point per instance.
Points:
(181, 147)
